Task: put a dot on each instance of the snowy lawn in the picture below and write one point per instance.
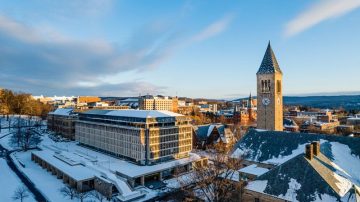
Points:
(9, 182)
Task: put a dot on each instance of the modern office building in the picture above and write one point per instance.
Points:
(145, 137)
(149, 102)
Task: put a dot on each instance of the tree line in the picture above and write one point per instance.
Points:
(21, 103)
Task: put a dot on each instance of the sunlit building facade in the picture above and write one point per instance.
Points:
(143, 136)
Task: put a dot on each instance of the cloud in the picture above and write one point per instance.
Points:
(214, 29)
(30, 59)
(319, 12)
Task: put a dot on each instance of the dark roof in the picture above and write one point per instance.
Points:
(261, 145)
(269, 63)
(289, 122)
(307, 180)
(202, 131)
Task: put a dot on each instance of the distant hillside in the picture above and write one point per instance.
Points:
(346, 101)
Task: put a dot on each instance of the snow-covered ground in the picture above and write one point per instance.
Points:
(43, 180)
(9, 182)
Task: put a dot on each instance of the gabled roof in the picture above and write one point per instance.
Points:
(203, 132)
(269, 63)
(289, 123)
(301, 179)
(275, 147)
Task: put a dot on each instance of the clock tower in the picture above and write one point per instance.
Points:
(269, 93)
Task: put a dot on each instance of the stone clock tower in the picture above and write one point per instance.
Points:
(269, 93)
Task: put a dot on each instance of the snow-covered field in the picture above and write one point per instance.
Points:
(9, 182)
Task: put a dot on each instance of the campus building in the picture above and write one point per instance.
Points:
(145, 137)
(62, 121)
(149, 102)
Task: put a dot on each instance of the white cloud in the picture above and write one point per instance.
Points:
(214, 29)
(319, 12)
(30, 59)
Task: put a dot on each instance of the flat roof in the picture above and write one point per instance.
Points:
(254, 170)
(76, 171)
(133, 170)
(62, 111)
(135, 113)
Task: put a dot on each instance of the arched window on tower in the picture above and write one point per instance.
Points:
(262, 86)
(269, 86)
(278, 89)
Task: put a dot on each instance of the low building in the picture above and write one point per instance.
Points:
(132, 103)
(326, 171)
(210, 135)
(355, 121)
(62, 121)
(345, 129)
(310, 176)
(246, 112)
(208, 108)
(143, 136)
(290, 125)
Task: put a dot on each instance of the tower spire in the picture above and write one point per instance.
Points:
(269, 63)
(250, 105)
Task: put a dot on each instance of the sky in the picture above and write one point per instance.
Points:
(208, 49)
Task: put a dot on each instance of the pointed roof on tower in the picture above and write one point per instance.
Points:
(250, 104)
(269, 63)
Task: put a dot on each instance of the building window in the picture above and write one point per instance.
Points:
(278, 86)
(257, 200)
(265, 86)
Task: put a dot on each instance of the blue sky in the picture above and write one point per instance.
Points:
(188, 48)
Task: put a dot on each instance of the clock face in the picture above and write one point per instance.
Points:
(266, 101)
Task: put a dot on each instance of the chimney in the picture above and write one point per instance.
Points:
(309, 151)
(316, 147)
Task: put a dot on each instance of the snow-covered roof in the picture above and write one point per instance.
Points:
(62, 111)
(301, 179)
(135, 113)
(254, 170)
(332, 175)
(79, 165)
(75, 171)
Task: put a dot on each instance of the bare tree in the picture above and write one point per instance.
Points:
(218, 181)
(68, 192)
(24, 135)
(20, 194)
(97, 195)
(82, 195)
